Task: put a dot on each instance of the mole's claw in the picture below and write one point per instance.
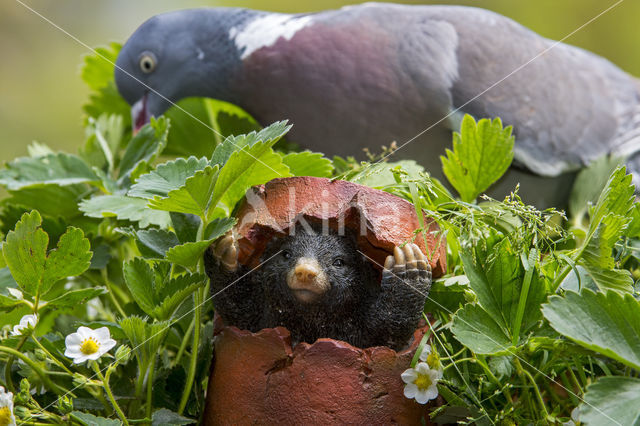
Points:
(226, 251)
(400, 260)
(388, 263)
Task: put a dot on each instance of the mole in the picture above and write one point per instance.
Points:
(320, 285)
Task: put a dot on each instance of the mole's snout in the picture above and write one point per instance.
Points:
(307, 280)
(306, 271)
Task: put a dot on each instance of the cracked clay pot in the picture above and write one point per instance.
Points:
(259, 378)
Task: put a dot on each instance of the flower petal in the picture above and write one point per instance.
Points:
(73, 339)
(85, 332)
(410, 390)
(425, 352)
(409, 376)
(102, 334)
(106, 346)
(422, 398)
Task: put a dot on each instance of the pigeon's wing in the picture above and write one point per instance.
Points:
(567, 106)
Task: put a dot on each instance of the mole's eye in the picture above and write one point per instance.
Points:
(147, 62)
(338, 262)
(287, 254)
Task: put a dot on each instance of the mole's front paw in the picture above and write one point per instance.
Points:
(408, 266)
(226, 252)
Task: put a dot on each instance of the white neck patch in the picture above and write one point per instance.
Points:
(266, 30)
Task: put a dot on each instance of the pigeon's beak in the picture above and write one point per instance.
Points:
(140, 113)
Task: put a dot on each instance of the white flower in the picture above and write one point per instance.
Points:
(426, 350)
(421, 383)
(25, 322)
(88, 344)
(6, 408)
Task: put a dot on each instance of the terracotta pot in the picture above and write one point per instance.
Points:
(258, 378)
(382, 220)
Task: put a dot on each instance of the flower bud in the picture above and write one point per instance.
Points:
(123, 354)
(65, 404)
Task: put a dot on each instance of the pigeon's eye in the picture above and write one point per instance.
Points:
(338, 262)
(147, 62)
(287, 254)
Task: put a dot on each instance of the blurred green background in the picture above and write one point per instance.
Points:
(41, 92)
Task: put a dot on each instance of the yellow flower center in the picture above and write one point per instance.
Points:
(5, 416)
(89, 346)
(423, 381)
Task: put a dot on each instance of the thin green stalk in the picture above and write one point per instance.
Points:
(524, 292)
(574, 379)
(112, 295)
(152, 367)
(9, 364)
(54, 359)
(494, 379)
(107, 389)
(49, 384)
(183, 345)
(534, 386)
(583, 376)
(197, 296)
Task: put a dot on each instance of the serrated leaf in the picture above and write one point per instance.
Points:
(60, 169)
(193, 198)
(607, 323)
(145, 146)
(268, 136)
(97, 69)
(253, 165)
(167, 177)
(145, 338)
(124, 208)
(612, 401)
(617, 198)
(308, 163)
(25, 252)
(141, 280)
(481, 154)
(477, 330)
(72, 298)
(174, 292)
(379, 175)
(71, 258)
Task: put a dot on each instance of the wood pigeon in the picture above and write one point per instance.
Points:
(367, 75)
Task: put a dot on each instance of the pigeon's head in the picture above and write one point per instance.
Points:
(175, 55)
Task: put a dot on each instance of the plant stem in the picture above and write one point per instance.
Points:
(112, 295)
(524, 292)
(152, 366)
(9, 364)
(197, 296)
(534, 385)
(54, 359)
(183, 345)
(58, 389)
(505, 390)
(107, 389)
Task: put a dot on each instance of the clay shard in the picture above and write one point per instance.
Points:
(381, 220)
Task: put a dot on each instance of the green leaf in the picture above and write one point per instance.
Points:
(590, 182)
(194, 197)
(268, 136)
(73, 298)
(61, 169)
(154, 243)
(145, 146)
(163, 417)
(25, 252)
(105, 135)
(481, 154)
(91, 420)
(379, 175)
(141, 280)
(253, 165)
(98, 72)
(167, 177)
(606, 323)
(476, 329)
(189, 254)
(50, 200)
(496, 276)
(612, 401)
(174, 292)
(125, 208)
(617, 198)
(145, 338)
(308, 163)
(71, 258)
(193, 127)
(185, 225)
